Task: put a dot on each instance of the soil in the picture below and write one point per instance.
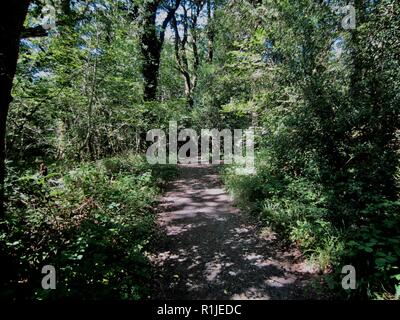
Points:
(209, 249)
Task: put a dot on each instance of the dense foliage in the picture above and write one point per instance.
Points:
(92, 222)
(327, 108)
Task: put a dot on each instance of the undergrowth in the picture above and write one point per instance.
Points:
(92, 223)
(302, 212)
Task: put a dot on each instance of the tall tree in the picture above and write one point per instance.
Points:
(11, 24)
(151, 42)
(189, 25)
(210, 32)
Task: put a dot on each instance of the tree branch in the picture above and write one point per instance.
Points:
(170, 15)
(33, 32)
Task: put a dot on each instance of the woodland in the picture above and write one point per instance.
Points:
(81, 82)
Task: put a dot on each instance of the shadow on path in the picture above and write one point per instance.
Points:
(211, 251)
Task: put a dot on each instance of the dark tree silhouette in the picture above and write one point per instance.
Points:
(151, 43)
(11, 25)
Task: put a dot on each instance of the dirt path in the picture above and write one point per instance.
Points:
(210, 250)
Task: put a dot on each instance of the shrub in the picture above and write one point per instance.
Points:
(93, 223)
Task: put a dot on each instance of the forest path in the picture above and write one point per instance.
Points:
(210, 250)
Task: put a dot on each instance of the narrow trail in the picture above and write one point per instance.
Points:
(210, 250)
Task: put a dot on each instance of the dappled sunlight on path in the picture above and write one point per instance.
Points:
(210, 250)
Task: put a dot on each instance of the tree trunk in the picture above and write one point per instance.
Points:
(189, 74)
(151, 50)
(210, 33)
(151, 44)
(188, 88)
(11, 23)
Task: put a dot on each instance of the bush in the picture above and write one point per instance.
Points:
(92, 223)
(303, 212)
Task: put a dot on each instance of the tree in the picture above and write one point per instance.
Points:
(189, 23)
(151, 42)
(11, 24)
(210, 32)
